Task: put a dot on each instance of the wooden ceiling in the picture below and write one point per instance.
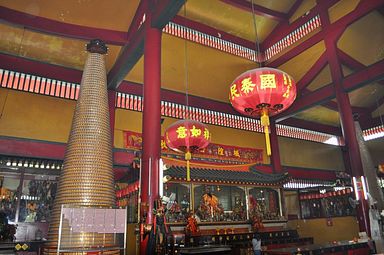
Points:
(53, 33)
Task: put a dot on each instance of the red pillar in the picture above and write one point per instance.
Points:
(275, 161)
(346, 160)
(151, 122)
(275, 157)
(349, 133)
(111, 105)
(346, 117)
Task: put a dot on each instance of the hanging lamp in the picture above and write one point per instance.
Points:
(187, 136)
(262, 92)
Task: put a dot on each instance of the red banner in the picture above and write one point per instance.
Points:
(133, 140)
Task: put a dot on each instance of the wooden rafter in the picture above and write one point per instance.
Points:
(162, 13)
(285, 28)
(258, 9)
(337, 27)
(54, 27)
(354, 81)
(312, 73)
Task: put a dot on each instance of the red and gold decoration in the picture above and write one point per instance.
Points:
(262, 92)
(216, 152)
(187, 136)
(325, 195)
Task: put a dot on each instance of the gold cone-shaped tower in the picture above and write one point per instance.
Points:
(87, 177)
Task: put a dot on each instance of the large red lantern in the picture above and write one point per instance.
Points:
(187, 136)
(262, 92)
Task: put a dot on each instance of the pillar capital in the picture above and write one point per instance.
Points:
(97, 46)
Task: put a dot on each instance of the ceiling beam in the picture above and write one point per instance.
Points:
(297, 50)
(132, 51)
(336, 28)
(314, 126)
(331, 105)
(203, 28)
(165, 11)
(307, 101)
(294, 8)
(312, 73)
(258, 9)
(138, 20)
(129, 55)
(352, 63)
(24, 65)
(54, 27)
(284, 23)
(372, 73)
(349, 61)
(324, 94)
(373, 122)
(285, 28)
(376, 105)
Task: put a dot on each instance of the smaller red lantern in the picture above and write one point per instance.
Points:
(187, 136)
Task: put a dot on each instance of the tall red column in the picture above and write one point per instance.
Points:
(346, 117)
(151, 122)
(349, 133)
(111, 107)
(275, 157)
(275, 161)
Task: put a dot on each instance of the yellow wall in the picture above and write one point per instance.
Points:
(341, 9)
(132, 242)
(300, 153)
(27, 115)
(292, 206)
(344, 228)
(376, 150)
(126, 120)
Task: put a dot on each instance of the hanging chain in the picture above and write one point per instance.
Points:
(257, 43)
(186, 65)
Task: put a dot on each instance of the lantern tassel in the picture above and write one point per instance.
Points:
(188, 157)
(265, 123)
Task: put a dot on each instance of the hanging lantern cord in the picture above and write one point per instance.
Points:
(186, 68)
(188, 154)
(264, 117)
(265, 123)
(257, 57)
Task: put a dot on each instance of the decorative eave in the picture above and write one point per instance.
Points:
(225, 176)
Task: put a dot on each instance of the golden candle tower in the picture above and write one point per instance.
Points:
(87, 178)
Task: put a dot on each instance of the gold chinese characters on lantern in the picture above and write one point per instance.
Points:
(187, 136)
(262, 92)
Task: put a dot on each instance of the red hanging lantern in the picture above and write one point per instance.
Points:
(187, 136)
(262, 92)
